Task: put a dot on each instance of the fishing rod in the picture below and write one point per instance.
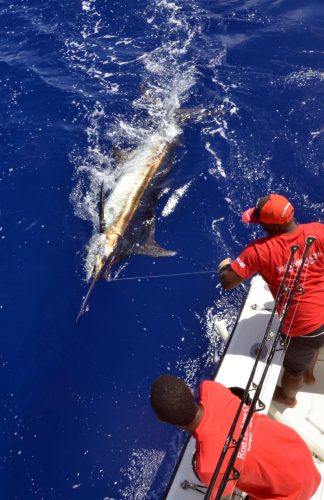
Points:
(230, 469)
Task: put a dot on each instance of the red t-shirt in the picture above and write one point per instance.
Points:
(269, 257)
(274, 461)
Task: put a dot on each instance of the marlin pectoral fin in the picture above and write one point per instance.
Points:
(152, 248)
(102, 222)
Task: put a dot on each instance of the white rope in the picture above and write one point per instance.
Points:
(164, 275)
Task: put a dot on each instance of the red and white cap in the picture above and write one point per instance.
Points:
(276, 210)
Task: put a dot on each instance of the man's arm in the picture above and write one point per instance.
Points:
(228, 278)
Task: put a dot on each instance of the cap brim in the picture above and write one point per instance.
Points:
(248, 216)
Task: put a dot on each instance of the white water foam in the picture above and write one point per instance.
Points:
(142, 468)
(174, 199)
(225, 309)
(305, 77)
(188, 368)
(218, 167)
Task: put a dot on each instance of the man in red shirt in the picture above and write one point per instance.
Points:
(304, 324)
(273, 461)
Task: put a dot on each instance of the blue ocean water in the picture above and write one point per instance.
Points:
(79, 78)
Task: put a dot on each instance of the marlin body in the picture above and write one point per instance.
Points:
(126, 218)
(119, 235)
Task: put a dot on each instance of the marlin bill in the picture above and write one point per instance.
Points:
(126, 216)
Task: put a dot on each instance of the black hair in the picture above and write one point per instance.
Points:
(172, 400)
(239, 392)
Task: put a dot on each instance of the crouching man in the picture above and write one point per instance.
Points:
(274, 462)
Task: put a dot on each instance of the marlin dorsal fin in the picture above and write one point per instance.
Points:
(102, 222)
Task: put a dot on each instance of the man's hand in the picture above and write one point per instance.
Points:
(223, 264)
(228, 278)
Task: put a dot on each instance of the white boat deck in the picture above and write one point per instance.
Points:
(238, 362)
(307, 418)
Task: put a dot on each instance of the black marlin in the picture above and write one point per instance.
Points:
(117, 214)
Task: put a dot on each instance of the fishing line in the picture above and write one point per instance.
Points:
(164, 275)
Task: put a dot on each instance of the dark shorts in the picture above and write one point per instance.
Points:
(301, 351)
